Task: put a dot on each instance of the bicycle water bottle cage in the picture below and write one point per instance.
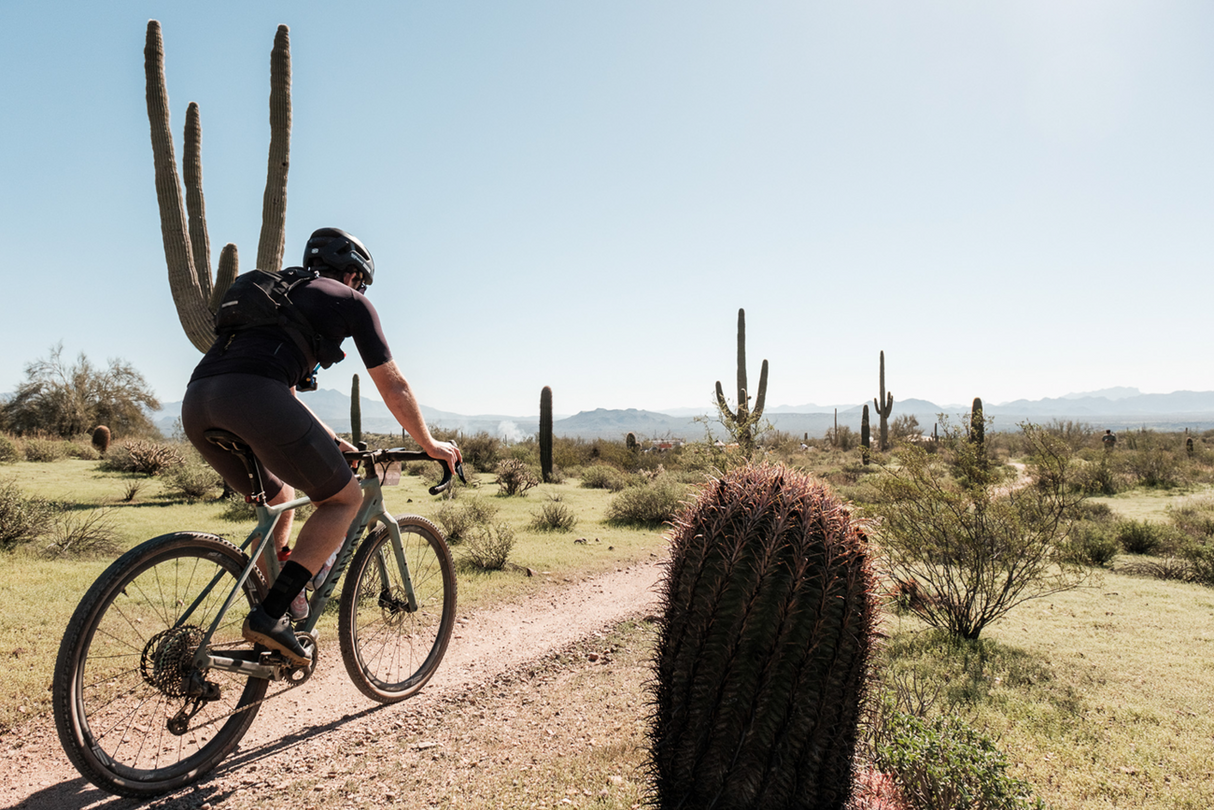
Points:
(226, 440)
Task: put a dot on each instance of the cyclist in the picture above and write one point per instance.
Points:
(246, 383)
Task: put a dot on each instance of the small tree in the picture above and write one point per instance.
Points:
(971, 542)
(69, 400)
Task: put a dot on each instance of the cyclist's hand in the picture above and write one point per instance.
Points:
(446, 451)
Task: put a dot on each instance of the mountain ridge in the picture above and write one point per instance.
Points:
(1174, 411)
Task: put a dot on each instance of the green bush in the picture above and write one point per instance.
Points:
(649, 504)
(41, 449)
(488, 547)
(82, 450)
(1200, 559)
(10, 451)
(459, 520)
(1092, 544)
(553, 516)
(480, 451)
(1194, 516)
(604, 476)
(22, 519)
(1141, 536)
(943, 763)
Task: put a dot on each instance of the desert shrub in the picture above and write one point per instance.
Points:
(515, 478)
(488, 547)
(1097, 476)
(79, 533)
(648, 504)
(1141, 536)
(1166, 568)
(1092, 544)
(1194, 516)
(142, 456)
(480, 451)
(604, 476)
(10, 451)
(193, 480)
(1154, 467)
(943, 763)
(23, 519)
(131, 489)
(553, 516)
(39, 448)
(81, 450)
(458, 520)
(1200, 559)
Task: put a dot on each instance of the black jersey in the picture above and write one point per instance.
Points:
(334, 310)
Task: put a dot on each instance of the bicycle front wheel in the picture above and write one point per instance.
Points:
(389, 650)
(133, 714)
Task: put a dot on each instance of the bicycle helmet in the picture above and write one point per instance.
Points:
(337, 249)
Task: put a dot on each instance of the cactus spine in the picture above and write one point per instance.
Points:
(546, 433)
(865, 435)
(884, 406)
(742, 423)
(356, 412)
(186, 243)
(761, 660)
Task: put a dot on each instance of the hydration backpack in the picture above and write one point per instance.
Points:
(262, 298)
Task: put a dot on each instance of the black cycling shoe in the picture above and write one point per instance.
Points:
(276, 634)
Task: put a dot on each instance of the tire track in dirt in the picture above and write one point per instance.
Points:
(37, 774)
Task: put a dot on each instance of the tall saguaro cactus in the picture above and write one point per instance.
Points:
(884, 406)
(978, 426)
(546, 433)
(183, 222)
(742, 422)
(865, 435)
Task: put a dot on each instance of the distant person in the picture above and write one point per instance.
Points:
(1109, 440)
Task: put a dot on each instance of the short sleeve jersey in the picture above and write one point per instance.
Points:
(334, 310)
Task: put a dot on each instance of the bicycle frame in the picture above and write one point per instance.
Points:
(371, 511)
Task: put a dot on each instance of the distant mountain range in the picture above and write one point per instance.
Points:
(1116, 408)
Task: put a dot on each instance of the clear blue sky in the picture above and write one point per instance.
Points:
(1011, 199)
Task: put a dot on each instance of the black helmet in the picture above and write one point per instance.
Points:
(339, 250)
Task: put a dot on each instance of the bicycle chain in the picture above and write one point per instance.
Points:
(289, 685)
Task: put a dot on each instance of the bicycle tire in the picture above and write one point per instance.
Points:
(389, 652)
(123, 667)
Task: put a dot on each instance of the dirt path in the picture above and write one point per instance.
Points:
(37, 774)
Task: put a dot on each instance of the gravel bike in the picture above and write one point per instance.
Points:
(154, 685)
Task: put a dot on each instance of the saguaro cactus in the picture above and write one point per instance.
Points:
(186, 242)
(356, 412)
(761, 660)
(865, 435)
(630, 441)
(884, 406)
(546, 433)
(742, 423)
(978, 426)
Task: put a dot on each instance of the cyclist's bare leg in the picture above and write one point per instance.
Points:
(324, 530)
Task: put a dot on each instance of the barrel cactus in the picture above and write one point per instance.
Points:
(763, 650)
(101, 438)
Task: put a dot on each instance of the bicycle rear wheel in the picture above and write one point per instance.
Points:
(133, 714)
(389, 651)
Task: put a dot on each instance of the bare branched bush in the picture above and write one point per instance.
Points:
(515, 478)
(80, 534)
(459, 520)
(193, 480)
(143, 457)
(488, 547)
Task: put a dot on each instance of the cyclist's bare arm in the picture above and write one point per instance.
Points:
(398, 396)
